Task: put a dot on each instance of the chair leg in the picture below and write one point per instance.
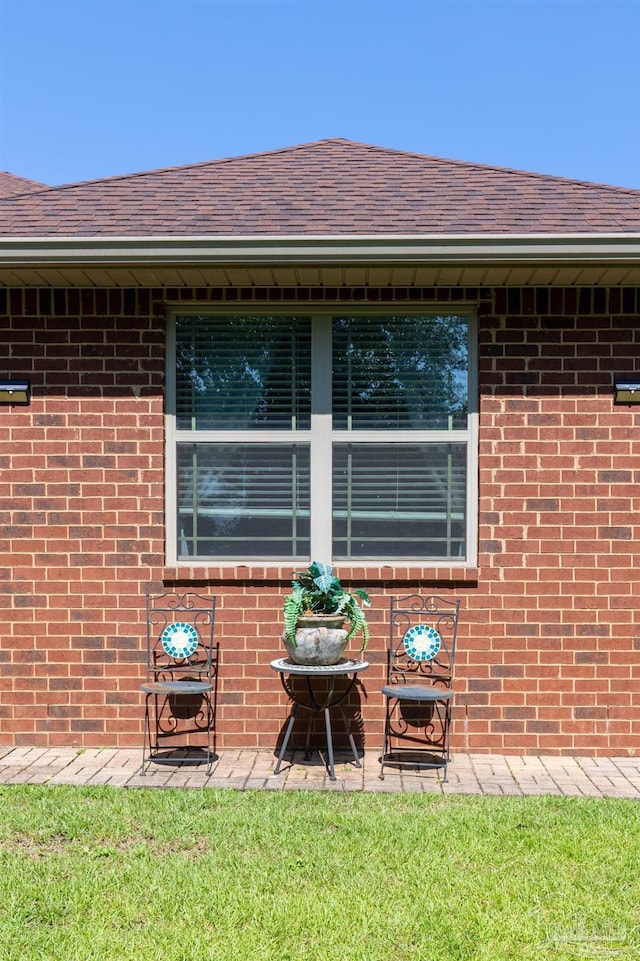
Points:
(447, 732)
(151, 742)
(209, 734)
(445, 720)
(385, 739)
(146, 733)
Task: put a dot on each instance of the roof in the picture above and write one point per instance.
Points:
(330, 188)
(12, 186)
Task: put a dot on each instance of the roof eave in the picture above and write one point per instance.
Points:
(436, 248)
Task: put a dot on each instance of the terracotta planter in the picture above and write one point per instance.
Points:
(320, 640)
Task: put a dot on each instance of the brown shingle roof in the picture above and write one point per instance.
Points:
(331, 187)
(12, 186)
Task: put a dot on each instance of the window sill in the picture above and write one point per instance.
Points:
(384, 573)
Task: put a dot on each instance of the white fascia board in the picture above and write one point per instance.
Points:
(436, 248)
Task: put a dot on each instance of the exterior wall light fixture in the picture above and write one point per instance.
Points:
(15, 392)
(627, 390)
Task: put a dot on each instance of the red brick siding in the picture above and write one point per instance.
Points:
(548, 641)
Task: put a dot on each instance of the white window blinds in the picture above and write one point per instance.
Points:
(303, 436)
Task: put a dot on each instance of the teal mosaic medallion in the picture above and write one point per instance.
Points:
(179, 640)
(422, 642)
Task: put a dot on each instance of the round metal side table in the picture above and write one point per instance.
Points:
(316, 703)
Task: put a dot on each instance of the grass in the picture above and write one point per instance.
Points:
(90, 874)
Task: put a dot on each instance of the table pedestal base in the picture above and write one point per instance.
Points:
(346, 668)
(327, 725)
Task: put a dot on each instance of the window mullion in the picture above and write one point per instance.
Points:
(321, 447)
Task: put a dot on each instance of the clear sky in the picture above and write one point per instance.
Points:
(94, 88)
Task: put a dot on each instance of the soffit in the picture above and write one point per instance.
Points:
(323, 275)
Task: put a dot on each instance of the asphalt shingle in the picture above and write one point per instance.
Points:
(327, 188)
(13, 186)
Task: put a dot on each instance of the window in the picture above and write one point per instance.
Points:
(348, 436)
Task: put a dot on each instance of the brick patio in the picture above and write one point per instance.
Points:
(479, 774)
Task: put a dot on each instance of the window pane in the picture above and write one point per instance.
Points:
(243, 373)
(399, 501)
(243, 501)
(400, 373)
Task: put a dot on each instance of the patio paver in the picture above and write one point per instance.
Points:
(617, 777)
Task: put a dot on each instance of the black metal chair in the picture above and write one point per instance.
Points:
(419, 690)
(181, 686)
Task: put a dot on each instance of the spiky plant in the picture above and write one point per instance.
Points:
(318, 591)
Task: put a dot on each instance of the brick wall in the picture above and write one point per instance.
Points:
(548, 641)
(553, 663)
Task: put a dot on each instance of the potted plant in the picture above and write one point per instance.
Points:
(315, 613)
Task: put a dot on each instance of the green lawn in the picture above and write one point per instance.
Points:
(94, 874)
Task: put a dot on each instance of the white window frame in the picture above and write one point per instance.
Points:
(322, 432)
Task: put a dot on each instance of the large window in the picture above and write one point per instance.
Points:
(348, 436)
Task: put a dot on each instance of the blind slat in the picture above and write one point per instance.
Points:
(240, 373)
(400, 373)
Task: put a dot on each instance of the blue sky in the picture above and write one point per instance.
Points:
(93, 88)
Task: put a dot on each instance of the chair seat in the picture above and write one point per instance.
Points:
(176, 687)
(415, 692)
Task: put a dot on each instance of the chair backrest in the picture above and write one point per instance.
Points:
(422, 639)
(180, 634)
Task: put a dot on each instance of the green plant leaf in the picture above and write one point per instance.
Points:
(326, 582)
(364, 597)
(292, 608)
(318, 590)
